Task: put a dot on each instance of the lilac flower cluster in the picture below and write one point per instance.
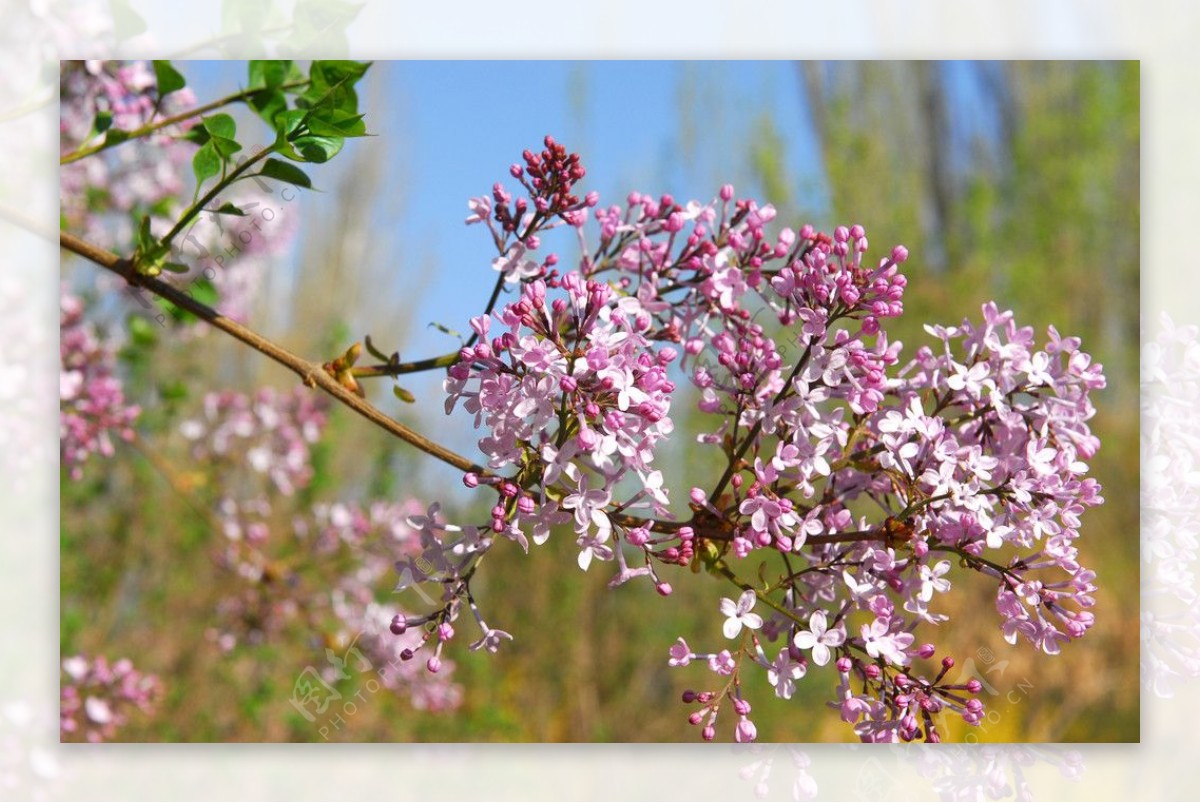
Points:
(974, 453)
(270, 433)
(93, 409)
(317, 569)
(96, 698)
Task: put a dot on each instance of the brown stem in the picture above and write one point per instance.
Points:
(311, 373)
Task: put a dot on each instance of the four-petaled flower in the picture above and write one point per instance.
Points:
(784, 673)
(819, 638)
(740, 614)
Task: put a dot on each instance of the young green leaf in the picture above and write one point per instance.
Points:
(268, 73)
(282, 171)
(290, 121)
(229, 209)
(169, 79)
(197, 135)
(225, 147)
(268, 104)
(318, 149)
(104, 121)
(220, 125)
(403, 395)
(205, 164)
(337, 124)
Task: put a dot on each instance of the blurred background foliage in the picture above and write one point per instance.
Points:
(1017, 182)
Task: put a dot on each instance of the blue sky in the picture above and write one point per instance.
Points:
(449, 130)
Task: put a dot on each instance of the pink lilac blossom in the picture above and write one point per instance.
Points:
(270, 433)
(974, 450)
(93, 408)
(96, 698)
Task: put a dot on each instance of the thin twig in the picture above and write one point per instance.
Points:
(151, 127)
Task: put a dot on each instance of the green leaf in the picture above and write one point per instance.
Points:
(282, 171)
(446, 330)
(205, 164)
(403, 395)
(268, 104)
(374, 352)
(229, 209)
(115, 136)
(197, 134)
(104, 121)
(290, 121)
(318, 149)
(145, 240)
(225, 147)
(220, 125)
(335, 70)
(169, 79)
(331, 85)
(174, 267)
(269, 73)
(337, 124)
